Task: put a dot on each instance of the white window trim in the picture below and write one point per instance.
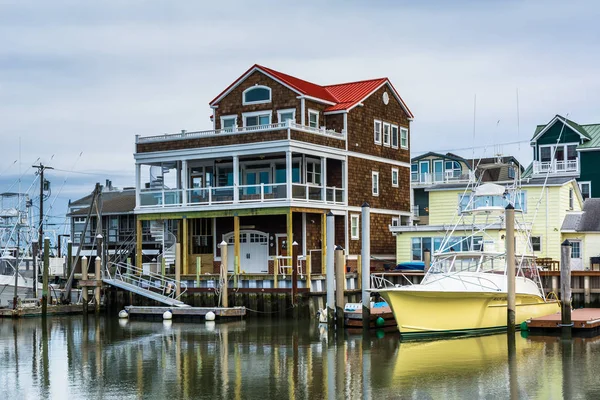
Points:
(541, 247)
(397, 177)
(79, 220)
(353, 218)
(389, 138)
(285, 111)
(315, 112)
(375, 177)
(245, 103)
(257, 113)
(396, 220)
(377, 131)
(589, 183)
(553, 150)
(397, 136)
(403, 132)
(224, 117)
(315, 164)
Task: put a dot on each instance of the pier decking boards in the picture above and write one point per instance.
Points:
(220, 312)
(582, 318)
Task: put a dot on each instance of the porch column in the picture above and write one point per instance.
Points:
(185, 182)
(138, 183)
(304, 233)
(138, 244)
(288, 173)
(323, 240)
(236, 247)
(185, 246)
(290, 236)
(324, 179)
(236, 178)
(345, 180)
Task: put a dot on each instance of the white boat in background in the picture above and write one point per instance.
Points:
(465, 289)
(7, 282)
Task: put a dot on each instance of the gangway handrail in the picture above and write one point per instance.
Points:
(146, 280)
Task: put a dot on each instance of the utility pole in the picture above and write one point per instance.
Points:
(41, 168)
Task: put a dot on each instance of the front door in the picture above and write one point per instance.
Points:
(423, 171)
(576, 255)
(438, 170)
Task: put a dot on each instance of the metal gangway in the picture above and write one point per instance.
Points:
(151, 285)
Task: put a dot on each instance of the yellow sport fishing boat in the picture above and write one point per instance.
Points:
(465, 289)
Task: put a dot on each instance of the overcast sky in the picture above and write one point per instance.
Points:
(80, 76)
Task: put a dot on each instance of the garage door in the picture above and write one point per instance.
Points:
(254, 252)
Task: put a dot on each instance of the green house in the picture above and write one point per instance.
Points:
(565, 148)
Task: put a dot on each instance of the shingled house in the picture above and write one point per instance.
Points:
(282, 153)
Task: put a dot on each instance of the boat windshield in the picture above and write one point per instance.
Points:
(474, 262)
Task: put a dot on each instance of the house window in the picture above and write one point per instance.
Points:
(79, 220)
(575, 249)
(375, 183)
(570, 199)
(586, 189)
(256, 95)
(414, 172)
(394, 177)
(395, 221)
(284, 115)
(394, 136)
(386, 134)
(313, 118)
(511, 172)
(377, 129)
(546, 154)
(404, 138)
(257, 118)
(452, 169)
(536, 243)
(354, 226)
(313, 173)
(229, 123)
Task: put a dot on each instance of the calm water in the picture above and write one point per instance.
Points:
(256, 359)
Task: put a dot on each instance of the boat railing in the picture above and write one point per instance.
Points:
(379, 282)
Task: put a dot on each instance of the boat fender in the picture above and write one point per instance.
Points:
(168, 289)
(168, 315)
(210, 316)
(123, 314)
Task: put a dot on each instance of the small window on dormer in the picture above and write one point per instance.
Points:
(256, 95)
(313, 118)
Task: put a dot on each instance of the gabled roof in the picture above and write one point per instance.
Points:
(586, 221)
(575, 127)
(339, 97)
(113, 202)
(448, 156)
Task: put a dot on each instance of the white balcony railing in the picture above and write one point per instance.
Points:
(274, 192)
(426, 178)
(241, 130)
(554, 166)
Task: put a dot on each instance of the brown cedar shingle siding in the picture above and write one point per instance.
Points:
(318, 139)
(382, 241)
(361, 130)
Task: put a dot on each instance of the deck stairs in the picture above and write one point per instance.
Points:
(153, 286)
(161, 234)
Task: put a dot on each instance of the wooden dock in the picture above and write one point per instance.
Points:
(583, 319)
(354, 319)
(186, 312)
(37, 311)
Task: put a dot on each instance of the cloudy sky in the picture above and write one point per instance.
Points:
(79, 79)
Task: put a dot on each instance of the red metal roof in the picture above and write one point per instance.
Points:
(344, 95)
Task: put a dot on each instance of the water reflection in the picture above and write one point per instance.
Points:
(111, 358)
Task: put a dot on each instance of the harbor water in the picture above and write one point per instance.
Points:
(107, 358)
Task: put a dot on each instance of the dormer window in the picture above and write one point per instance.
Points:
(256, 95)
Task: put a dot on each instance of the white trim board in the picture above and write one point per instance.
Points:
(550, 124)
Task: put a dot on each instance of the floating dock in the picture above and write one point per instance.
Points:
(186, 312)
(354, 319)
(584, 319)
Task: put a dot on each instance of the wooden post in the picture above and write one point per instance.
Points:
(163, 266)
(97, 272)
(359, 271)
(46, 297)
(198, 270)
(69, 257)
(236, 249)
(586, 290)
(565, 283)
(340, 270)
(35, 253)
(186, 270)
(84, 289)
(138, 244)
(330, 246)
(178, 269)
(510, 268)
(555, 285)
(294, 271)
(275, 272)
(223, 274)
(366, 265)
(323, 244)
(308, 271)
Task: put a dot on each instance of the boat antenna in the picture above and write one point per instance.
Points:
(518, 120)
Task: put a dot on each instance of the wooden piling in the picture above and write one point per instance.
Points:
(366, 265)
(308, 271)
(177, 269)
(84, 290)
(138, 244)
(97, 272)
(198, 270)
(69, 257)
(46, 297)
(565, 283)
(340, 267)
(35, 254)
(223, 275)
(330, 273)
(510, 268)
(294, 271)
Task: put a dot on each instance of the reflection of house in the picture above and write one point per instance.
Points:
(118, 225)
(282, 152)
(564, 148)
(549, 208)
(434, 169)
(582, 229)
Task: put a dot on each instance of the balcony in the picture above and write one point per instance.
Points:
(241, 135)
(556, 167)
(426, 178)
(241, 194)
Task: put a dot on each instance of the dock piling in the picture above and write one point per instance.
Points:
(35, 251)
(340, 266)
(565, 284)
(366, 264)
(330, 272)
(510, 268)
(223, 275)
(294, 271)
(45, 291)
(98, 272)
(84, 289)
(69, 257)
